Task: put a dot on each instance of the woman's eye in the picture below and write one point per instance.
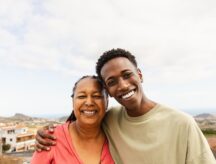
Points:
(81, 97)
(97, 96)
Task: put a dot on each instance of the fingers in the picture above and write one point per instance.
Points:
(40, 147)
(51, 128)
(45, 134)
(45, 139)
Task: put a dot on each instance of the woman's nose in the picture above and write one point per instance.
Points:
(89, 101)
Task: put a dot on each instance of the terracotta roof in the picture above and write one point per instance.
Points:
(212, 142)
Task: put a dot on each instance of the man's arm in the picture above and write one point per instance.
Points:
(45, 138)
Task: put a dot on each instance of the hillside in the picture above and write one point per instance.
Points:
(205, 116)
(206, 121)
(18, 117)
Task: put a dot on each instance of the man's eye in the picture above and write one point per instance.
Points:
(127, 75)
(111, 83)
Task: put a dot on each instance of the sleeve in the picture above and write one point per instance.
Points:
(44, 157)
(198, 150)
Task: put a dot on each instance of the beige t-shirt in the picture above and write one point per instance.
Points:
(161, 136)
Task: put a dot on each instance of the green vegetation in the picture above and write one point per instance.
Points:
(209, 131)
(6, 147)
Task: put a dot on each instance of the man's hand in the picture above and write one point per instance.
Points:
(45, 138)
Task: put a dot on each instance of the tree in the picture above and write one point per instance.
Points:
(6, 147)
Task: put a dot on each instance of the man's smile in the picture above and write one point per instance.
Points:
(127, 94)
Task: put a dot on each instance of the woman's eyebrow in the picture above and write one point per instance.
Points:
(80, 92)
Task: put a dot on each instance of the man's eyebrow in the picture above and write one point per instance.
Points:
(125, 70)
(112, 77)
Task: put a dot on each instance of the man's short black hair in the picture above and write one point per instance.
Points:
(114, 53)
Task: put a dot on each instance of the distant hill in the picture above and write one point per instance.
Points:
(63, 119)
(206, 121)
(205, 116)
(18, 117)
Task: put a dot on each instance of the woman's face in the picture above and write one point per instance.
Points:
(89, 102)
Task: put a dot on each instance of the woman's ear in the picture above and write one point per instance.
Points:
(140, 74)
(107, 102)
(107, 90)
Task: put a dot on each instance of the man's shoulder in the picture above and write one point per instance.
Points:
(171, 113)
(114, 110)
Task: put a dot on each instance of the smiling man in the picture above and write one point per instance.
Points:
(142, 131)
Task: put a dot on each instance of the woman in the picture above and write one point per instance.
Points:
(81, 139)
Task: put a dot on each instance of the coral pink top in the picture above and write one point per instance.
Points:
(64, 151)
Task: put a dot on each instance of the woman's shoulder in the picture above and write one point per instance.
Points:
(61, 130)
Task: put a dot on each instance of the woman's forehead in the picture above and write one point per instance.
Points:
(88, 83)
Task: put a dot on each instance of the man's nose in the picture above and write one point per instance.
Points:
(122, 84)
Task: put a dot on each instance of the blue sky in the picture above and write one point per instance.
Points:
(45, 46)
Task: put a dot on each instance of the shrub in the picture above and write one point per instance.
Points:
(6, 147)
(208, 131)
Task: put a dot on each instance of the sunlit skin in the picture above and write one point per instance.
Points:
(89, 103)
(123, 82)
(90, 97)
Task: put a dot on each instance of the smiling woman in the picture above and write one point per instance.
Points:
(89, 102)
(82, 133)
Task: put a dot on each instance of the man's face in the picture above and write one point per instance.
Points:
(123, 81)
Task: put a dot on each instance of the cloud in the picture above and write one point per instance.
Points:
(173, 41)
(13, 17)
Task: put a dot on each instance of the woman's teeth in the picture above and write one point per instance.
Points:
(89, 113)
(129, 94)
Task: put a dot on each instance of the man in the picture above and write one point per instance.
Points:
(141, 130)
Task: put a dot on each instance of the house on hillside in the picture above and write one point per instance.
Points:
(18, 137)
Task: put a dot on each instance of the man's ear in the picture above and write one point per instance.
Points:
(140, 74)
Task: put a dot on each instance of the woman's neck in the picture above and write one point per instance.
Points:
(86, 132)
(85, 140)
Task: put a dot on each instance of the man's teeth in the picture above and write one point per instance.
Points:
(128, 95)
(89, 113)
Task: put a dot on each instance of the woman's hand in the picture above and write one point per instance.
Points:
(45, 138)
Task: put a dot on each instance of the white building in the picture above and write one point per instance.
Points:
(18, 137)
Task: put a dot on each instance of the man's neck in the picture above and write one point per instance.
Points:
(145, 106)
